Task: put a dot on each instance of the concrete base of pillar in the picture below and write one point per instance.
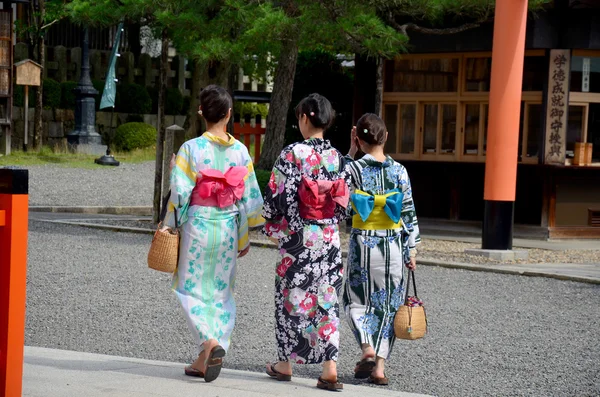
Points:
(500, 255)
(90, 148)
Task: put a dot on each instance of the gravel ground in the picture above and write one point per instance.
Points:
(451, 251)
(126, 185)
(490, 334)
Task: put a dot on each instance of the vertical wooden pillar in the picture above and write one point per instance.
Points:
(508, 54)
(13, 269)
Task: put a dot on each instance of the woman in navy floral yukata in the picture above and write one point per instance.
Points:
(306, 199)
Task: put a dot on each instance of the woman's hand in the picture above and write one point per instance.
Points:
(412, 265)
(244, 252)
(172, 162)
(353, 143)
(274, 240)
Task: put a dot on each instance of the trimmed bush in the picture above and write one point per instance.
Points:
(131, 136)
(67, 97)
(133, 98)
(262, 177)
(19, 96)
(153, 92)
(174, 102)
(51, 94)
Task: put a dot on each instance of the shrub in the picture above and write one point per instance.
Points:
(131, 136)
(99, 86)
(19, 96)
(67, 96)
(262, 177)
(51, 94)
(174, 102)
(153, 92)
(133, 98)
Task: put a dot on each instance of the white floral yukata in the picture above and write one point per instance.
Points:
(374, 287)
(306, 199)
(211, 235)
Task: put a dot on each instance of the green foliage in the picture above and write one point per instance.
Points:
(250, 109)
(133, 98)
(131, 136)
(174, 102)
(99, 86)
(67, 98)
(52, 94)
(19, 96)
(262, 177)
(153, 92)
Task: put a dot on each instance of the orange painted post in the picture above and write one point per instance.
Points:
(508, 52)
(13, 269)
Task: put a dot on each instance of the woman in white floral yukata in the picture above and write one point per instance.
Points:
(217, 197)
(306, 199)
(383, 240)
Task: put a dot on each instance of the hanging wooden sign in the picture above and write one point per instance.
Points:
(557, 107)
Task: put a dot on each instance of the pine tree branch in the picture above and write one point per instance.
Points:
(49, 24)
(416, 28)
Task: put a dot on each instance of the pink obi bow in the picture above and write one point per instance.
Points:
(318, 198)
(215, 189)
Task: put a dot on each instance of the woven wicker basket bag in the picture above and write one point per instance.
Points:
(411, 321)
(164, 249)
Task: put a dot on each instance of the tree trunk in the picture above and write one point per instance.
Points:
(281, 97)
(39, 106)
(379, 87)
(365, 85)
(192, 121)
(160, 136)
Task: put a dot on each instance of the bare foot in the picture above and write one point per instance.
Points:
(367, 351)
(329, 371)
(379, 370)
(283, 367)
(200, 363)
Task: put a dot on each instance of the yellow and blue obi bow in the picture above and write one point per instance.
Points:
(391, 202)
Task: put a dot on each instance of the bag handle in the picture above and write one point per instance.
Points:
(411, 275)
(163, 213)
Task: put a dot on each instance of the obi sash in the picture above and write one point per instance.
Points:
(215, 189)
(377, 212)
(318, 198)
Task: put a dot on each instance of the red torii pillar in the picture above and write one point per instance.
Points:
(13, 268)
(508, 52)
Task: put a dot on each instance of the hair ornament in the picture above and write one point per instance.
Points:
(366, 131)
(312, 113)
(200, 112)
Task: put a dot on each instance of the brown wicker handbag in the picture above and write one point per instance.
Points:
(411, 320)
(164, 249)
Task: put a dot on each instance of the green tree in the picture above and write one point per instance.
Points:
(38, 18)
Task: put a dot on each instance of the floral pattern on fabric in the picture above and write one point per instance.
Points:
(309, 277)
(210, 236)
(374, 287)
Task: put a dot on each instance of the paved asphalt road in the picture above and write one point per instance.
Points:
(490, 334)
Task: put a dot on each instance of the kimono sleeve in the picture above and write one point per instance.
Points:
(281, 197)
(341, 213)
(183, 181)
(250, 205)
(409, 215)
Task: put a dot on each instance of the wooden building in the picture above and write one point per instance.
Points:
(435, 105)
